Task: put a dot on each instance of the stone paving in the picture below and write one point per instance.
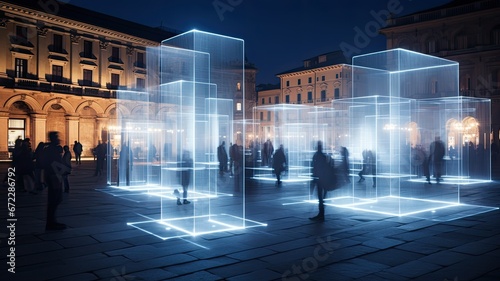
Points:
(350, 245)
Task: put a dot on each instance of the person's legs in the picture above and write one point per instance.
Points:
(184, 194)
(54, 198)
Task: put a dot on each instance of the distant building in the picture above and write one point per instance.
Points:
(464, 31)
(318, 81)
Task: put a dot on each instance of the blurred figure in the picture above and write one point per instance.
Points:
(77, 149)
(186, 170)
(67, 162)
(100, 152)
(222, 158)
(345, 164)
(39, 177)
(319, 170)
(25, 167)
(279, 164)
(125, 164)
(53, 169)
(437, 152)
(369, 166)
(267, 152)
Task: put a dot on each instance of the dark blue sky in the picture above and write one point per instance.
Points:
(278, 34)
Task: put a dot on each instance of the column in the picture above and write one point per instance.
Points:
(4, 147)
(73, 123)
(39, 128)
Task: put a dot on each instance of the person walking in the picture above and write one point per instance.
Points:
(319, 173)
(67, 162)
(279, 164)
(222, 157)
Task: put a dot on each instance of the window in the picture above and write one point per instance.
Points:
(337, 76)
(261, 116)
(263, 101)
(321, 59)
(309, 80)
(323, 78)
(431, 46)
(288, 83)
(238, 86)
(238, 106)
(57, 44)
(115, 54)
(287, 99)
(22, 34)
(276, 116)
(298, 81)
(87, 49)
(337, 93)
(141, 83)
(276, 99)
(269, 116)
(309, 96)
(57, 73)
(87, 77)
(140, 60)
(115, 80)
(323, 95)
(269, 100)
(16, 130)
(21, 68)
(299, 98)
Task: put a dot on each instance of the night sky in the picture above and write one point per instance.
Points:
(279, 34)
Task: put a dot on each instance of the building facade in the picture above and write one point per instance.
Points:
(464, 31)
(60, 68)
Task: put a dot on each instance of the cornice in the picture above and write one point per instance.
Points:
(70, 24)
(313, 70)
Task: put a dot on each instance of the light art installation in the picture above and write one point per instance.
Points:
(402, 102)
(187, 113)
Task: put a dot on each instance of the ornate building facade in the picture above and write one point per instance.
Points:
(60, 68)
(464, 31)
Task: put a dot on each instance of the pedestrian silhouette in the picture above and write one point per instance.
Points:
(222, 158)
(77, 149)
(437, 152)
(320, 169)
(53, 169)
(186, 169)
(345, 164)
(67, 162)
(279, 163)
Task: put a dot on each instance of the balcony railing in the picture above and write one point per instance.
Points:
(30, 84)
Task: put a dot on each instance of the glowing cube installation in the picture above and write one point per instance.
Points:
(191, 114)
(402, 102)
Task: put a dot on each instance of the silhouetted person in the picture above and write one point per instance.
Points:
(39, 178)
(186, 166)
(437, 152)
(233, 149)
(67, 162)
(125, 164)
(279, 163)
(267, 152)
(345, 163)
(369, 166)
(25, 167)
(319, 170)
(53, 170)
(78, 149)
(100, 152)
(222, 158)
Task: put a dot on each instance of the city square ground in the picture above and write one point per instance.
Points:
(350, 245)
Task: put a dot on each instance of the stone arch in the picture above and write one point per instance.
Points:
(60, 101)
(90, 103)
(29, 100)
(110, 108)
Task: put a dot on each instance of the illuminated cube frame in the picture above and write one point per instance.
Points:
(190, 112)
(401, 101)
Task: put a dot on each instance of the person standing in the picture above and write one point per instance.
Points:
(186, 171)
(67, 162)
(279, 163)
(222, 157)
(319, 174)
(53, 169)
(100, 152)
(437, 152)
(77, 149)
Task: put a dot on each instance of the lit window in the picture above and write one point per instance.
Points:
(238, 106)
(21, 68)
(238, 86)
